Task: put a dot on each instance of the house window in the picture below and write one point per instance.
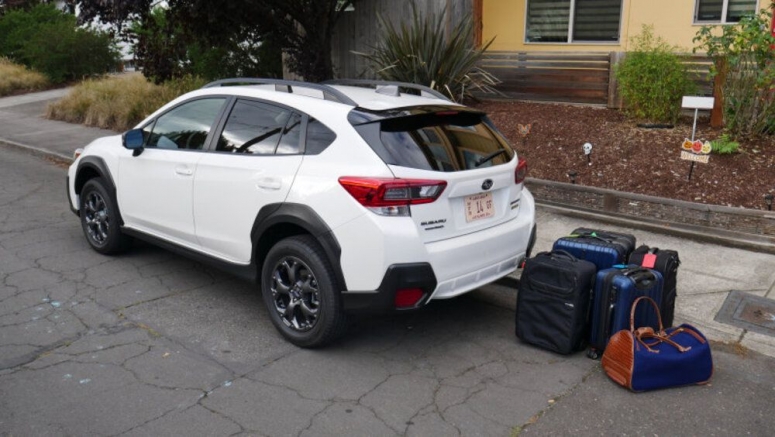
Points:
(723, 11)
(567, 21)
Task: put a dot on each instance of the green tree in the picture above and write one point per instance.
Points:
(745, 62)
(50, 41)
(301, 28)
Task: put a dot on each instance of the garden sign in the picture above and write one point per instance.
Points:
(692, 150)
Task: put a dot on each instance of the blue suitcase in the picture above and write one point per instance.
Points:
(615, 291)
(602, 248)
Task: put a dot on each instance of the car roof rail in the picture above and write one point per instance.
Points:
(379, 84)
(329, 93)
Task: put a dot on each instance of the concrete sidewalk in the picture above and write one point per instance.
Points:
(708, 273)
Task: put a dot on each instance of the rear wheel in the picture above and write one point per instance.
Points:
(99, 219)
(301, 292)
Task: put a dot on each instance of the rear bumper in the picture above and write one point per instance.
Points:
(397, 277)
(465, 263)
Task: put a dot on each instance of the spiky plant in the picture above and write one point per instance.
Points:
(420, 52)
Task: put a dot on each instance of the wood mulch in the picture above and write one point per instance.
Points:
(629, 158)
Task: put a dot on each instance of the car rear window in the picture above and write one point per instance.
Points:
(441, 141)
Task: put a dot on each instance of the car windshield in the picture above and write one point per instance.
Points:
(444, 141)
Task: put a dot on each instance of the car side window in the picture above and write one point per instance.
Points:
(254, 128)
(318, 137)
(290, 141)
(184, 127)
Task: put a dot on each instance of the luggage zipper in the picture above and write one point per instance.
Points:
(611, 306)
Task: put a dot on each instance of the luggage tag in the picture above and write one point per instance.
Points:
(649, 260)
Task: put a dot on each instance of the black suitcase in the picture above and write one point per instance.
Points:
(665, 262)
(604, 248)
(553, 302)
(615, 291)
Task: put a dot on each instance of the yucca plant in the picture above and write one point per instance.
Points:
(420, 52)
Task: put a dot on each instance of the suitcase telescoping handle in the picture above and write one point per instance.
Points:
(639, 274)
(592, 235)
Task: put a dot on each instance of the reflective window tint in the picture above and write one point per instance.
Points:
(289, 142)
(318, 137)
(253, 127)
(185, 127)
(440, 142)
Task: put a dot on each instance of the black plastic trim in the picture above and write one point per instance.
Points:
(248, 272)
(397, 277)
(304, 217)
(97, 164)
(69, 198)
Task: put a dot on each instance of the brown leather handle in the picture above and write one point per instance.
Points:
(634, 306)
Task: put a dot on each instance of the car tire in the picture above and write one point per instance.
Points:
(99, 219)
(301, 293)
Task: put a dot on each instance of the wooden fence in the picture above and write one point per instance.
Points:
(572, 77)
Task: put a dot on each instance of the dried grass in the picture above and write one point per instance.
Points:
(117, 103)
(16, 78)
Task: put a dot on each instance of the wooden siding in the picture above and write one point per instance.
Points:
(577, 77)
(562, 77)
(359, 30)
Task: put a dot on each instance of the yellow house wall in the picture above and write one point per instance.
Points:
(672, 20)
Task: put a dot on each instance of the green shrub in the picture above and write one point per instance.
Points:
(118, 103)
(50, 41)
(419, 52)
(18, 78)
(652, 79)
(724, 145)
(745, 62)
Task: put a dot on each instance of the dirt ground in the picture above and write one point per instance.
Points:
(629, 158)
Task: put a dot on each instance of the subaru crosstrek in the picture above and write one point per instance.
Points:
(335, 198)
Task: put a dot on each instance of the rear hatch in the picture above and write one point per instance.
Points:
(458, 146)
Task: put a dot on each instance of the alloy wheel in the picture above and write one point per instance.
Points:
(295, 294)
(96, 217)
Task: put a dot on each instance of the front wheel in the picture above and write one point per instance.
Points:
(301, 293)
(99, 219)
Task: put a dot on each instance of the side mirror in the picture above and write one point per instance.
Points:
(133, 140)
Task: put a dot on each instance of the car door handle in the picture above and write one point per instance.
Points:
(269, 184)
(184, 171)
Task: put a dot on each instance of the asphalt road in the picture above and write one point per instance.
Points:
(150, 343)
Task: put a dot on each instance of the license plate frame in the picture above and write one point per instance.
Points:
(478, 207)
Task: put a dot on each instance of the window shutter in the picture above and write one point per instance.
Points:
(547, 20)
(597, 20)
(737, 9)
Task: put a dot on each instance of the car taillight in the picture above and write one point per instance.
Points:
(392, 197)
(521, 172)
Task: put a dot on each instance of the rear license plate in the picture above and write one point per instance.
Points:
(479, 206)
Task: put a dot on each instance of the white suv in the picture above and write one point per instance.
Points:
(335, 198)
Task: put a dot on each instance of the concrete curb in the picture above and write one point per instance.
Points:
(736, 227)
(37, 151)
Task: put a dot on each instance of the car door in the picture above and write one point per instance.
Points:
(253, 163)
(155, 187)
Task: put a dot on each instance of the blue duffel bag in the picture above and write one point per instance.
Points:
(643, 359)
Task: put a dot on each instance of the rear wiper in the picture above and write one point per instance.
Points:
(489, 157)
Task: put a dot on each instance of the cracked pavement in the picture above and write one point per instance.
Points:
(150, 343)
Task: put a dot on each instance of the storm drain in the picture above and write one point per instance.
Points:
(744, 310)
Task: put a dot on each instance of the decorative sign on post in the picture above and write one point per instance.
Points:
(696, 151)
